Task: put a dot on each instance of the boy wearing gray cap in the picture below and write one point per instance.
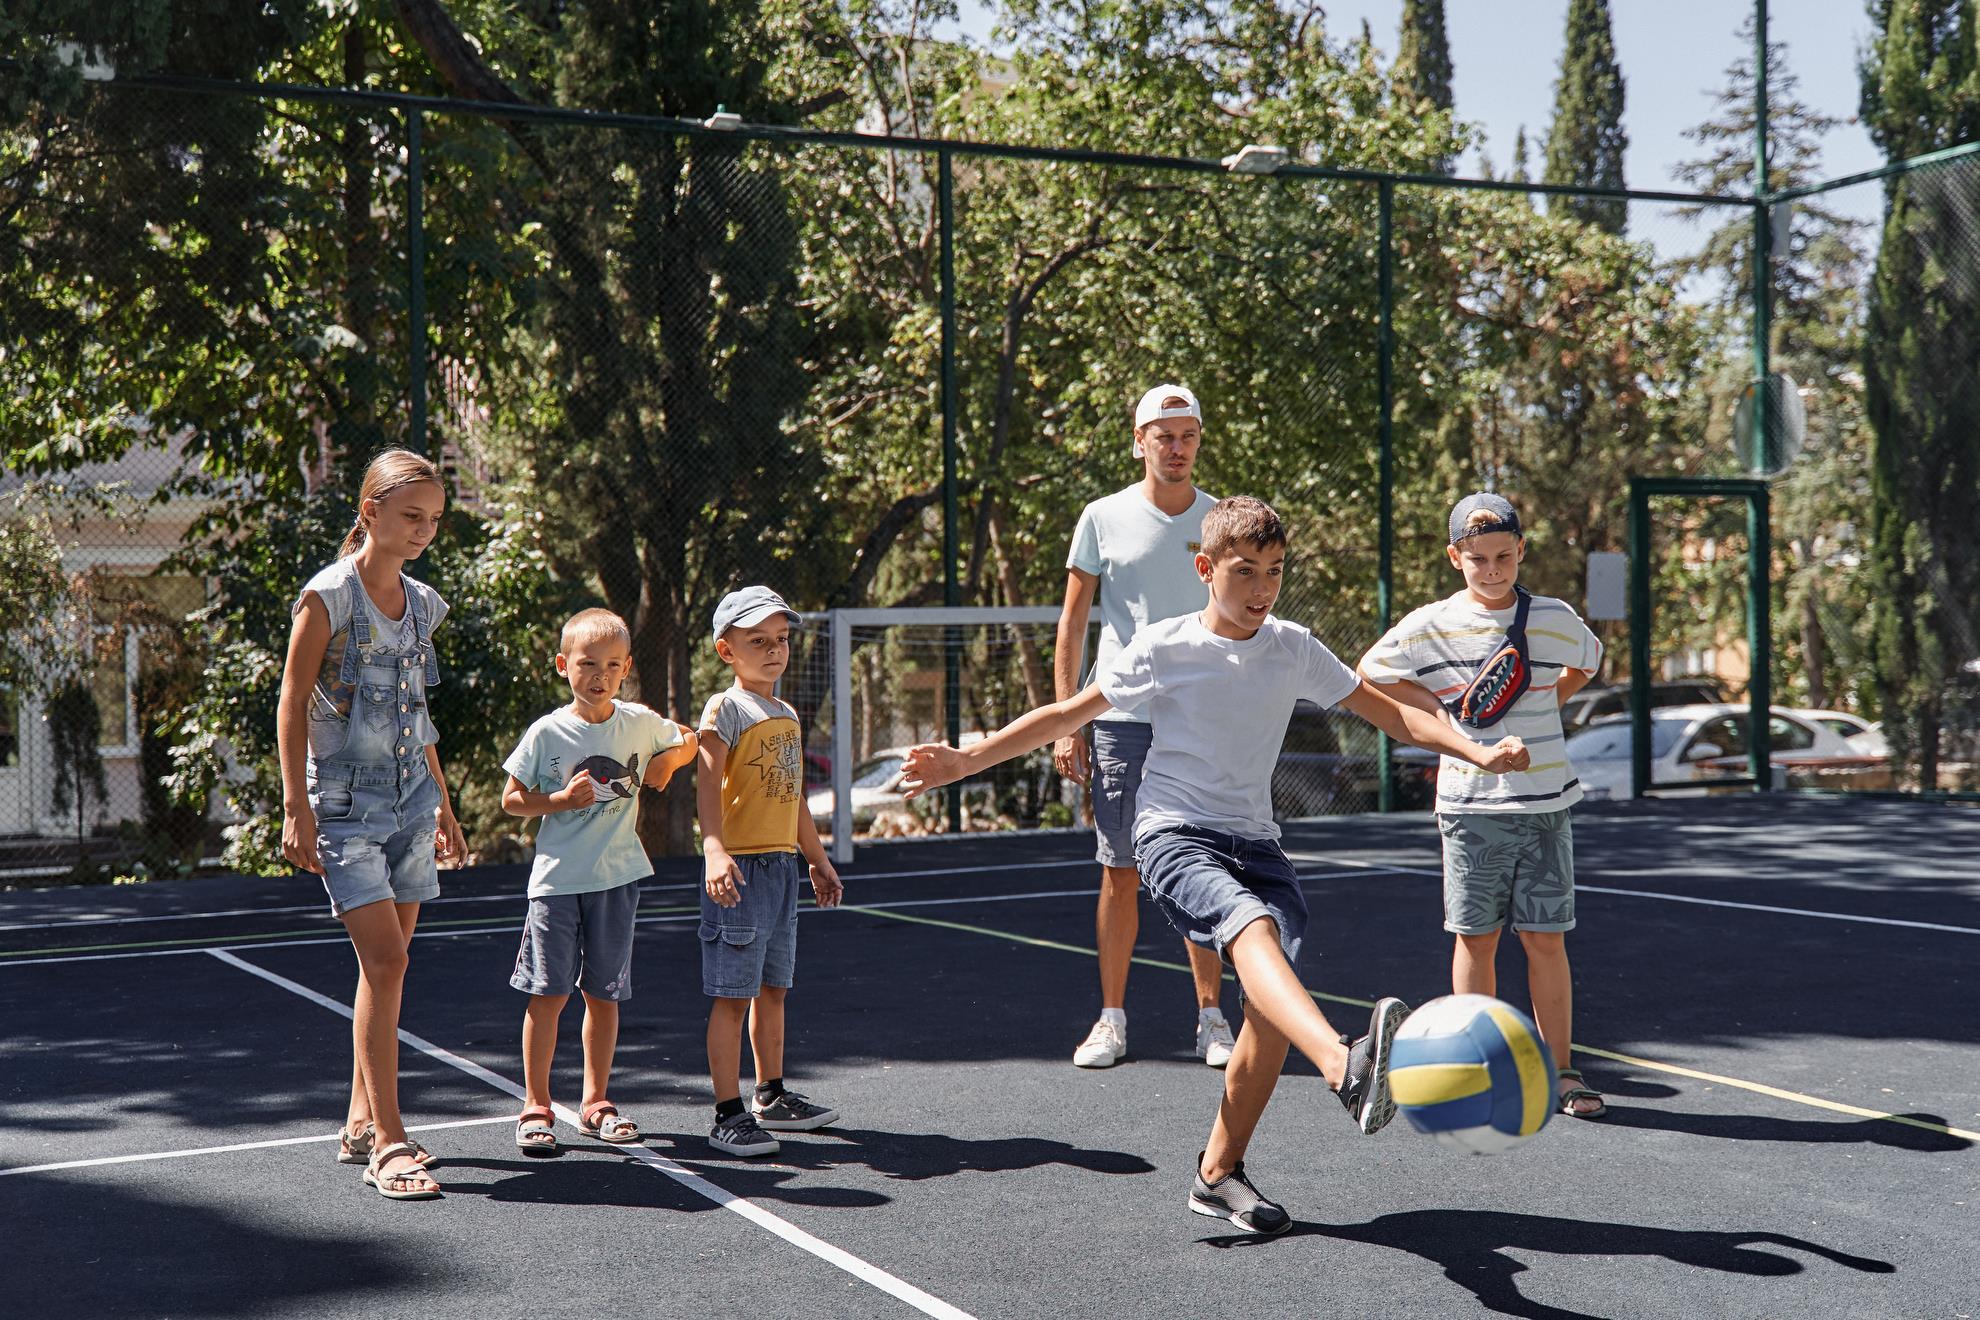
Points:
(754, 826)
(1496, 659)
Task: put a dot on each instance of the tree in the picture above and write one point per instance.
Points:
(1423, 63)
(1821, 506)
(1586, 141)
(1921, 91)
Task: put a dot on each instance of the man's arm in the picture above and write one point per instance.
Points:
(932, 765)
(1410, 725)
(1068, 654)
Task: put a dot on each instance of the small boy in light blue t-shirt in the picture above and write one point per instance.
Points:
(580, 768)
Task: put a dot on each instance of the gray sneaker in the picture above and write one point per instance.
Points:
(1234, 1198)
(791, 1112)
(739, 1134)
(1364, 1090)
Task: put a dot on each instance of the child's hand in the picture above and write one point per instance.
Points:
(299, 839)
(931, 765)
(1506, 755)
(449, 842)
(580, 793)
(722, 878)
(826, 886)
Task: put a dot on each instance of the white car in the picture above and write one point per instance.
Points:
(1699, 743)
(876, 787)
(1860, 733)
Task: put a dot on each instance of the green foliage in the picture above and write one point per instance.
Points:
(1423, 64)
(31, 591)
(1586, 142)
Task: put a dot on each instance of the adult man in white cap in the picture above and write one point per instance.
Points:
(1137, 550)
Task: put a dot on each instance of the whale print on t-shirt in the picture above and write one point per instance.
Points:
(617, 781)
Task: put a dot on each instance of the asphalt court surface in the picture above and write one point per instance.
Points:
(1777, 996)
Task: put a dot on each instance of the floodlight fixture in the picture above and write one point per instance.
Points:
(723, 118)
(1254, 158)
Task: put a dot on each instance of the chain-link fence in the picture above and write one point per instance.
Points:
(660, 360)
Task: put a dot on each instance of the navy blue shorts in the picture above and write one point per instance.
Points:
(1211, 885)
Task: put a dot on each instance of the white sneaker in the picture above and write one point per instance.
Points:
(1214, 1042)
(1104, 1046)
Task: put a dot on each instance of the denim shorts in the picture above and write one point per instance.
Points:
(582, 940)
(375, 839)
(1211, 885)
(1120, 748)
(1507, 865)
(754, 943)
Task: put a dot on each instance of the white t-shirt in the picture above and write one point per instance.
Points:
(1146, 563)
(595, 847)
(1219, 708)
(1441, 645)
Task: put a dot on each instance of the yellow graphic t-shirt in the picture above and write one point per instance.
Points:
(763, 778)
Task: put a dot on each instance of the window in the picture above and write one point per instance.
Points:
(1785, 735)
(10, 729)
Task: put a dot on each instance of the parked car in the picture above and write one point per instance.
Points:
(1862, 734)
(1703, 742)
(1330, 765)
(876, 787)
(1594, 703)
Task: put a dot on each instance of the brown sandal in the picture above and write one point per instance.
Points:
(357, 1149)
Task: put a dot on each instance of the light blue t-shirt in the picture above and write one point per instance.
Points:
(1220, 707)
(1146, 563)
(580, 852)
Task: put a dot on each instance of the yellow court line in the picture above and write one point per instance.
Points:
(1759, 1088)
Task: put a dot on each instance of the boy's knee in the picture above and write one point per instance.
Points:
(1544, 942)
(728, 1010)
(1481, 943)
(772, 994)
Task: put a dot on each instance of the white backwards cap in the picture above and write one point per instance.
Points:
(1151, 408)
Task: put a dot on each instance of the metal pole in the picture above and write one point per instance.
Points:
(1386, 448)
(1759, 639)
(1639, 638)
(415, 283)
(951, 572)
(842, 738)
(1761, 446)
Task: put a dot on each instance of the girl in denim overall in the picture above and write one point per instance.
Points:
(364, 803)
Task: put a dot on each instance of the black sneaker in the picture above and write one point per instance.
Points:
(1235, 1199)
(1364, 1090)
(791, 1112)
(739, 1134)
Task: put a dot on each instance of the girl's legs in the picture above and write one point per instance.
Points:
(601, 1039)
(540, 1047)
(766, 1033)
(379, 932)
(1474, 965)
(359, 1112)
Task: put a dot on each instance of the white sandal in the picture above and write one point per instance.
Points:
(423, 1187)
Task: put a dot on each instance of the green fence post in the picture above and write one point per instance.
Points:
(415, 284)
(1759, 638)
(1760, 446)
(1386, 447)
(1639, 637)
(951, 573)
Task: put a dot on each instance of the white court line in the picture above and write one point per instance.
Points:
(1857, 918)
(93, 919)
(866, 1271)
(244, 1145)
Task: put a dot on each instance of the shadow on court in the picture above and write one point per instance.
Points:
(627, 1184)
(1469, 1246)
(1759, 1127)
(916, 1156)
(105, 1250)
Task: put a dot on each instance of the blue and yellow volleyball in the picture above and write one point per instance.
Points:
(1473, 1072)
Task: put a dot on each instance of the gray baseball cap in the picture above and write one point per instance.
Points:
(749, 606)
(1504, 518)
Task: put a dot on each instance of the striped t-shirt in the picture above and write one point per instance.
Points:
(1440, 647)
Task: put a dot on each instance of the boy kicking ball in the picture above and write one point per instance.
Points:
(1219, 688)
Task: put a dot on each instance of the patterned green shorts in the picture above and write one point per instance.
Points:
(1507, 864)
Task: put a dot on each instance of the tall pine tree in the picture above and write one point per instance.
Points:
(1423, 62)
(1586, 142)
(1921, 360)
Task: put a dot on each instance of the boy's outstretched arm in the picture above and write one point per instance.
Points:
(1405, 691)
(1429, 731)
(932, 765)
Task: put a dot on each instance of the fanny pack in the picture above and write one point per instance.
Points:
(1502, 679)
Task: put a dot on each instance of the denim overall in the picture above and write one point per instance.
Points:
(369, 783)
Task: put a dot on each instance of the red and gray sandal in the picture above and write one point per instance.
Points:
(602, 1119)
(535, 1133)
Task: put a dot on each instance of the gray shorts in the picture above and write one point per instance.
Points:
(1120, 747)
(375, 839)
(754, 943)
(1211, 885)
(582, 940)
(1507, 865)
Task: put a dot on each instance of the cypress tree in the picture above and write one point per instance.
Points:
(1921, 359)
(1423, 62)
(1586, 142)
